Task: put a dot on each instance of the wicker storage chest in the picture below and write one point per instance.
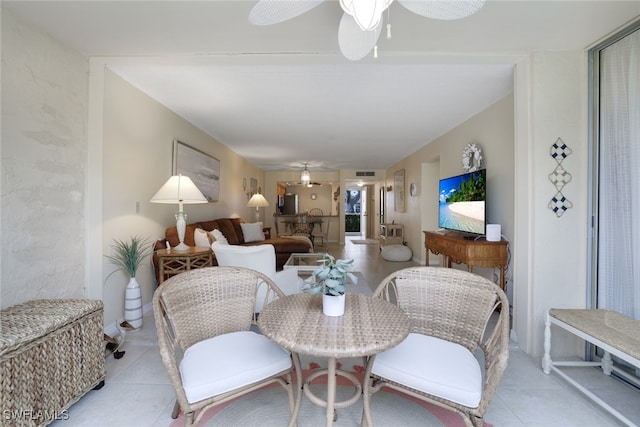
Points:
(51, 354)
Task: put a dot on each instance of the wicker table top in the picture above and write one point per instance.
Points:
(368, 326)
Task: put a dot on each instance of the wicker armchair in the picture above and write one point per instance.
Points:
(204, 319)
(452, 314)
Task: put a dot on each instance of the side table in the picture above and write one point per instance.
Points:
(174, 262)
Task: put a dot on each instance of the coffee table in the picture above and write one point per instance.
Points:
(296, 322)
(306, 263)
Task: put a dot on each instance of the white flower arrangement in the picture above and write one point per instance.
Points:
(330, 277)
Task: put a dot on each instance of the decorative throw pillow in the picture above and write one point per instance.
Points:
(203, 238)
(217, 234)
(252, 232)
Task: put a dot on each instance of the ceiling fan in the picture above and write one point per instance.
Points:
(305, 184)
(361, 22)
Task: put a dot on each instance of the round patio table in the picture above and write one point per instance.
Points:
(368, 326)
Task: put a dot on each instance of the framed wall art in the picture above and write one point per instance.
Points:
(398, 191)
(203, 169)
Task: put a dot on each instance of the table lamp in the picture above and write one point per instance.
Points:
(257, 201)
(179, 190)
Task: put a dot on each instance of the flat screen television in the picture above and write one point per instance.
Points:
(463, 202)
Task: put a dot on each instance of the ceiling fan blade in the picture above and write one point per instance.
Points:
(355, 43)
(443, 9)
(268, 12)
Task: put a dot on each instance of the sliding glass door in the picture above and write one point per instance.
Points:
(615, 95)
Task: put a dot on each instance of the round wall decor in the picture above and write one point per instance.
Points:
(471, 158)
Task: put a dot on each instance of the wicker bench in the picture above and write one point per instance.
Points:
(614, 333)
(51, 354)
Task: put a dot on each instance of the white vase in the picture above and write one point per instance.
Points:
(333, 305)
(133, 304)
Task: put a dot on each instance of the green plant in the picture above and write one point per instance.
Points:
(130, 255)
(330, 277)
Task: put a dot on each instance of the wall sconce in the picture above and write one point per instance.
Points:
(389, 188)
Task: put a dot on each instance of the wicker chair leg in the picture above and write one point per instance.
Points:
(189, 419)
(476, 421)
(176, 410)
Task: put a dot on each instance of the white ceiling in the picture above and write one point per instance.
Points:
(283, 95)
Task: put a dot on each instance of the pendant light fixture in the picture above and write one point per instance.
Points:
(305, 177)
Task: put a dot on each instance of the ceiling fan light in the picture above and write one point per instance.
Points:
(367, 13)
(306, 176)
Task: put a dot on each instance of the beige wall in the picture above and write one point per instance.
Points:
(558, 244)
(44, 132)
(138, 136)
(493, 131)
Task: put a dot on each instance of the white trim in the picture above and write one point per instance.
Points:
(522, 242)
(93, 190)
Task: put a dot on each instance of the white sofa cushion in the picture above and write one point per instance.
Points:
(203, 238)
(217, 234)
(229, 361)
(252, 232)
(434, 366)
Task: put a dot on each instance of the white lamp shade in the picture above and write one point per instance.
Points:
(257, 201)
(179, 189)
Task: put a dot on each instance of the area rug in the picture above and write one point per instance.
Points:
(364, 242)
(269, 407)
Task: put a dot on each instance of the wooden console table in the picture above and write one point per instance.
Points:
(480, 253)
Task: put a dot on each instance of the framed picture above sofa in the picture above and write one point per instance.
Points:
(203, 169)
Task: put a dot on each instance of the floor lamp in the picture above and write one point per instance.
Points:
(179, 190)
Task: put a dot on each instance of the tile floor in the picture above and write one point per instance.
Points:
(138, 393)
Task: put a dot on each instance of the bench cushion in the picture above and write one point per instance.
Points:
(435, 366)
(227, 362)
(610, 327)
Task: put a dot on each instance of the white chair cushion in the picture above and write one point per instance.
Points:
(229, 361)
(261, 258)
(434, 366)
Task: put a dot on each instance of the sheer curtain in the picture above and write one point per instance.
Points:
(619, 177)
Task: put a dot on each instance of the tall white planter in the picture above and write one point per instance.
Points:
(333, 305)
(133, 304)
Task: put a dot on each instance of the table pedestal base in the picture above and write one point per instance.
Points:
(331, 372)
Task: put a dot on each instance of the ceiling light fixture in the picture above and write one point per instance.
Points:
(361, 23)
(366, 13)
(306, 176)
